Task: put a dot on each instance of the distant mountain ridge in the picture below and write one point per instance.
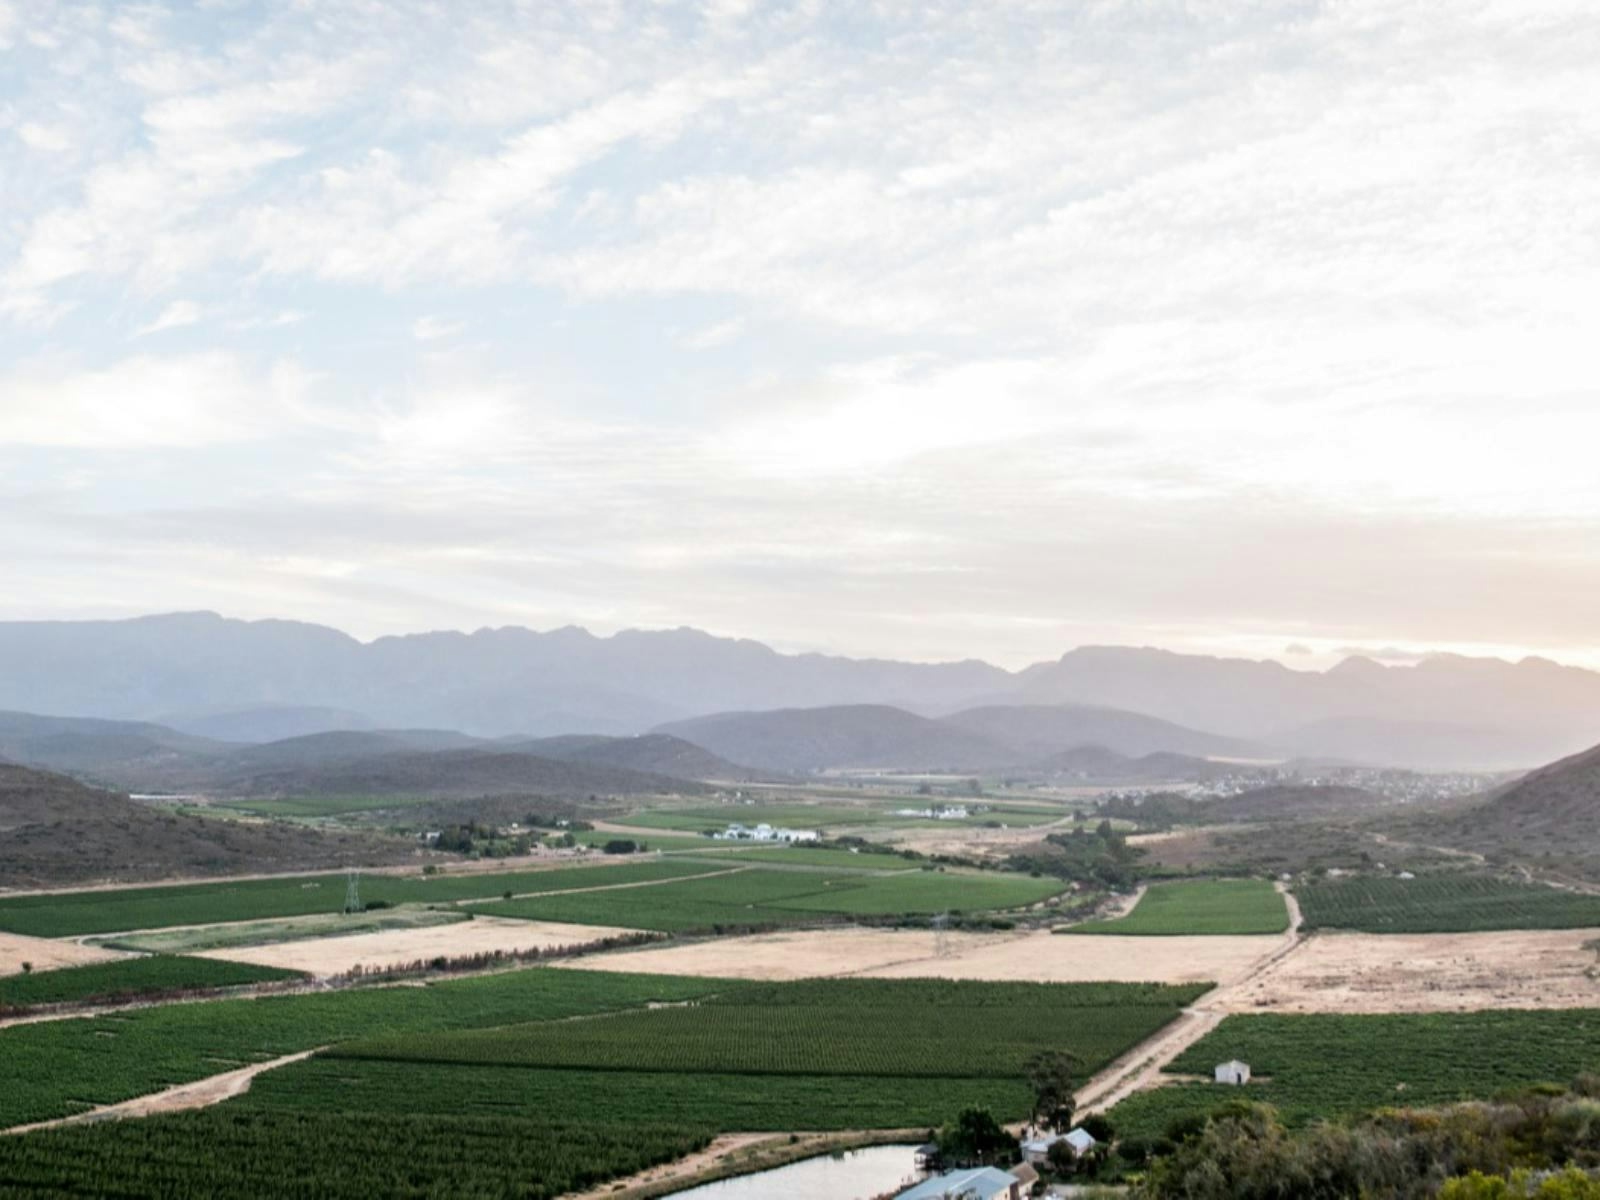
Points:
(251, 680)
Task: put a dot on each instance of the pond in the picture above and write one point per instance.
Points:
(848, 1175)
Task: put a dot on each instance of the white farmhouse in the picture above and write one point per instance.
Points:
(1233, 1072)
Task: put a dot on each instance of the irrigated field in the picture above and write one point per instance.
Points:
(824, 1054)
(237, 1152)
(129, 978)
(1444, 903)
(1327, 1065)
(620, 1098)
(1206, 906)
(932, 1028)
(61, 1067)
(320, 806)
(756, 897)
(70, 914)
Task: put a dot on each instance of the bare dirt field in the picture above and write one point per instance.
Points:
(1433, 972)
(333, 955)
(46, 954)
(913, 954)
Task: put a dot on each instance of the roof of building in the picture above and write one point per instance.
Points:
(1233, 1062)
(1081, 1139)
(1025, 1173)
(984, 1182)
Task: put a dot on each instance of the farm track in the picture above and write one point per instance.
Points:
(1141, 1067)
(201, 1093)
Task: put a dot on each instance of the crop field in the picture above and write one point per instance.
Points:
(72, 914)
(57, 1068)
(232, 1151)
(933, 1029)
(129, 977)
(1328, 1065)
(1205, 906)
(1446, 903)
(194, 939)
(755, 1103)
(809, 856)
(773, 897)
(312, 807)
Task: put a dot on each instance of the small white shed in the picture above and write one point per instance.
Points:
(1233, 1072)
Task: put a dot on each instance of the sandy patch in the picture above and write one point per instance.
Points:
(1433, 972)
(394, 947)
(890, 954)
(202, 1093)
(46, 954)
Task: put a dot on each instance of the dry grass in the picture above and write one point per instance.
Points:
(393, 947)
(913, 954)
(1431, 972)
(46, 954)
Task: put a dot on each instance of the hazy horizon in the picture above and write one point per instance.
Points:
(908, 332)
(1294, 657)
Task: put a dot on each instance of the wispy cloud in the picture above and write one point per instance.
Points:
(934, 329)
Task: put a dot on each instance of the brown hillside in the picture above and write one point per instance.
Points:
(57, 831)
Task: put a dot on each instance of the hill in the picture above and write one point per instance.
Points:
(652, 753)
(1293, 802)
(1552, 814)
(58, 831)
(261, 680)
(841, 736)
(457, 773)
(134, 754)
(1038, 730)
(1097, 764)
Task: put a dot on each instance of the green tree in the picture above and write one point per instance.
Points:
(976, 1138)
(1052, 1076)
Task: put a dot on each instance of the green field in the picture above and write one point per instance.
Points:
(311, 807)
(60, 1067)
(1330, 1065)
(807, 856)
(719, 1102)
(191, 939)
(932, 1028)
(753, 897)
(1204, 906)
(70, 914)
(1445, 903)
(237, 1152)
(130, 978)
(530, 1103)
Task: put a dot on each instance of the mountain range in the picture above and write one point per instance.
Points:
(234, 680)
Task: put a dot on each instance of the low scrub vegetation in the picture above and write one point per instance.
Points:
(1540, 1144)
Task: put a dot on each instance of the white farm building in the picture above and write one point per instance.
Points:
(1233, 1072)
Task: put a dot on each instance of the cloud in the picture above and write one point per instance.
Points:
(144, 402)
(937, 329)
(428, 329)
(174, 316)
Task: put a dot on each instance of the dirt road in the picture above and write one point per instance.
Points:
(202, 1093)
(1141, 1067)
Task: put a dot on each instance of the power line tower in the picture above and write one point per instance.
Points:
(941, 935)
(352, 891)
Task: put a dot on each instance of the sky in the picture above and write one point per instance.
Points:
(927, 330)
